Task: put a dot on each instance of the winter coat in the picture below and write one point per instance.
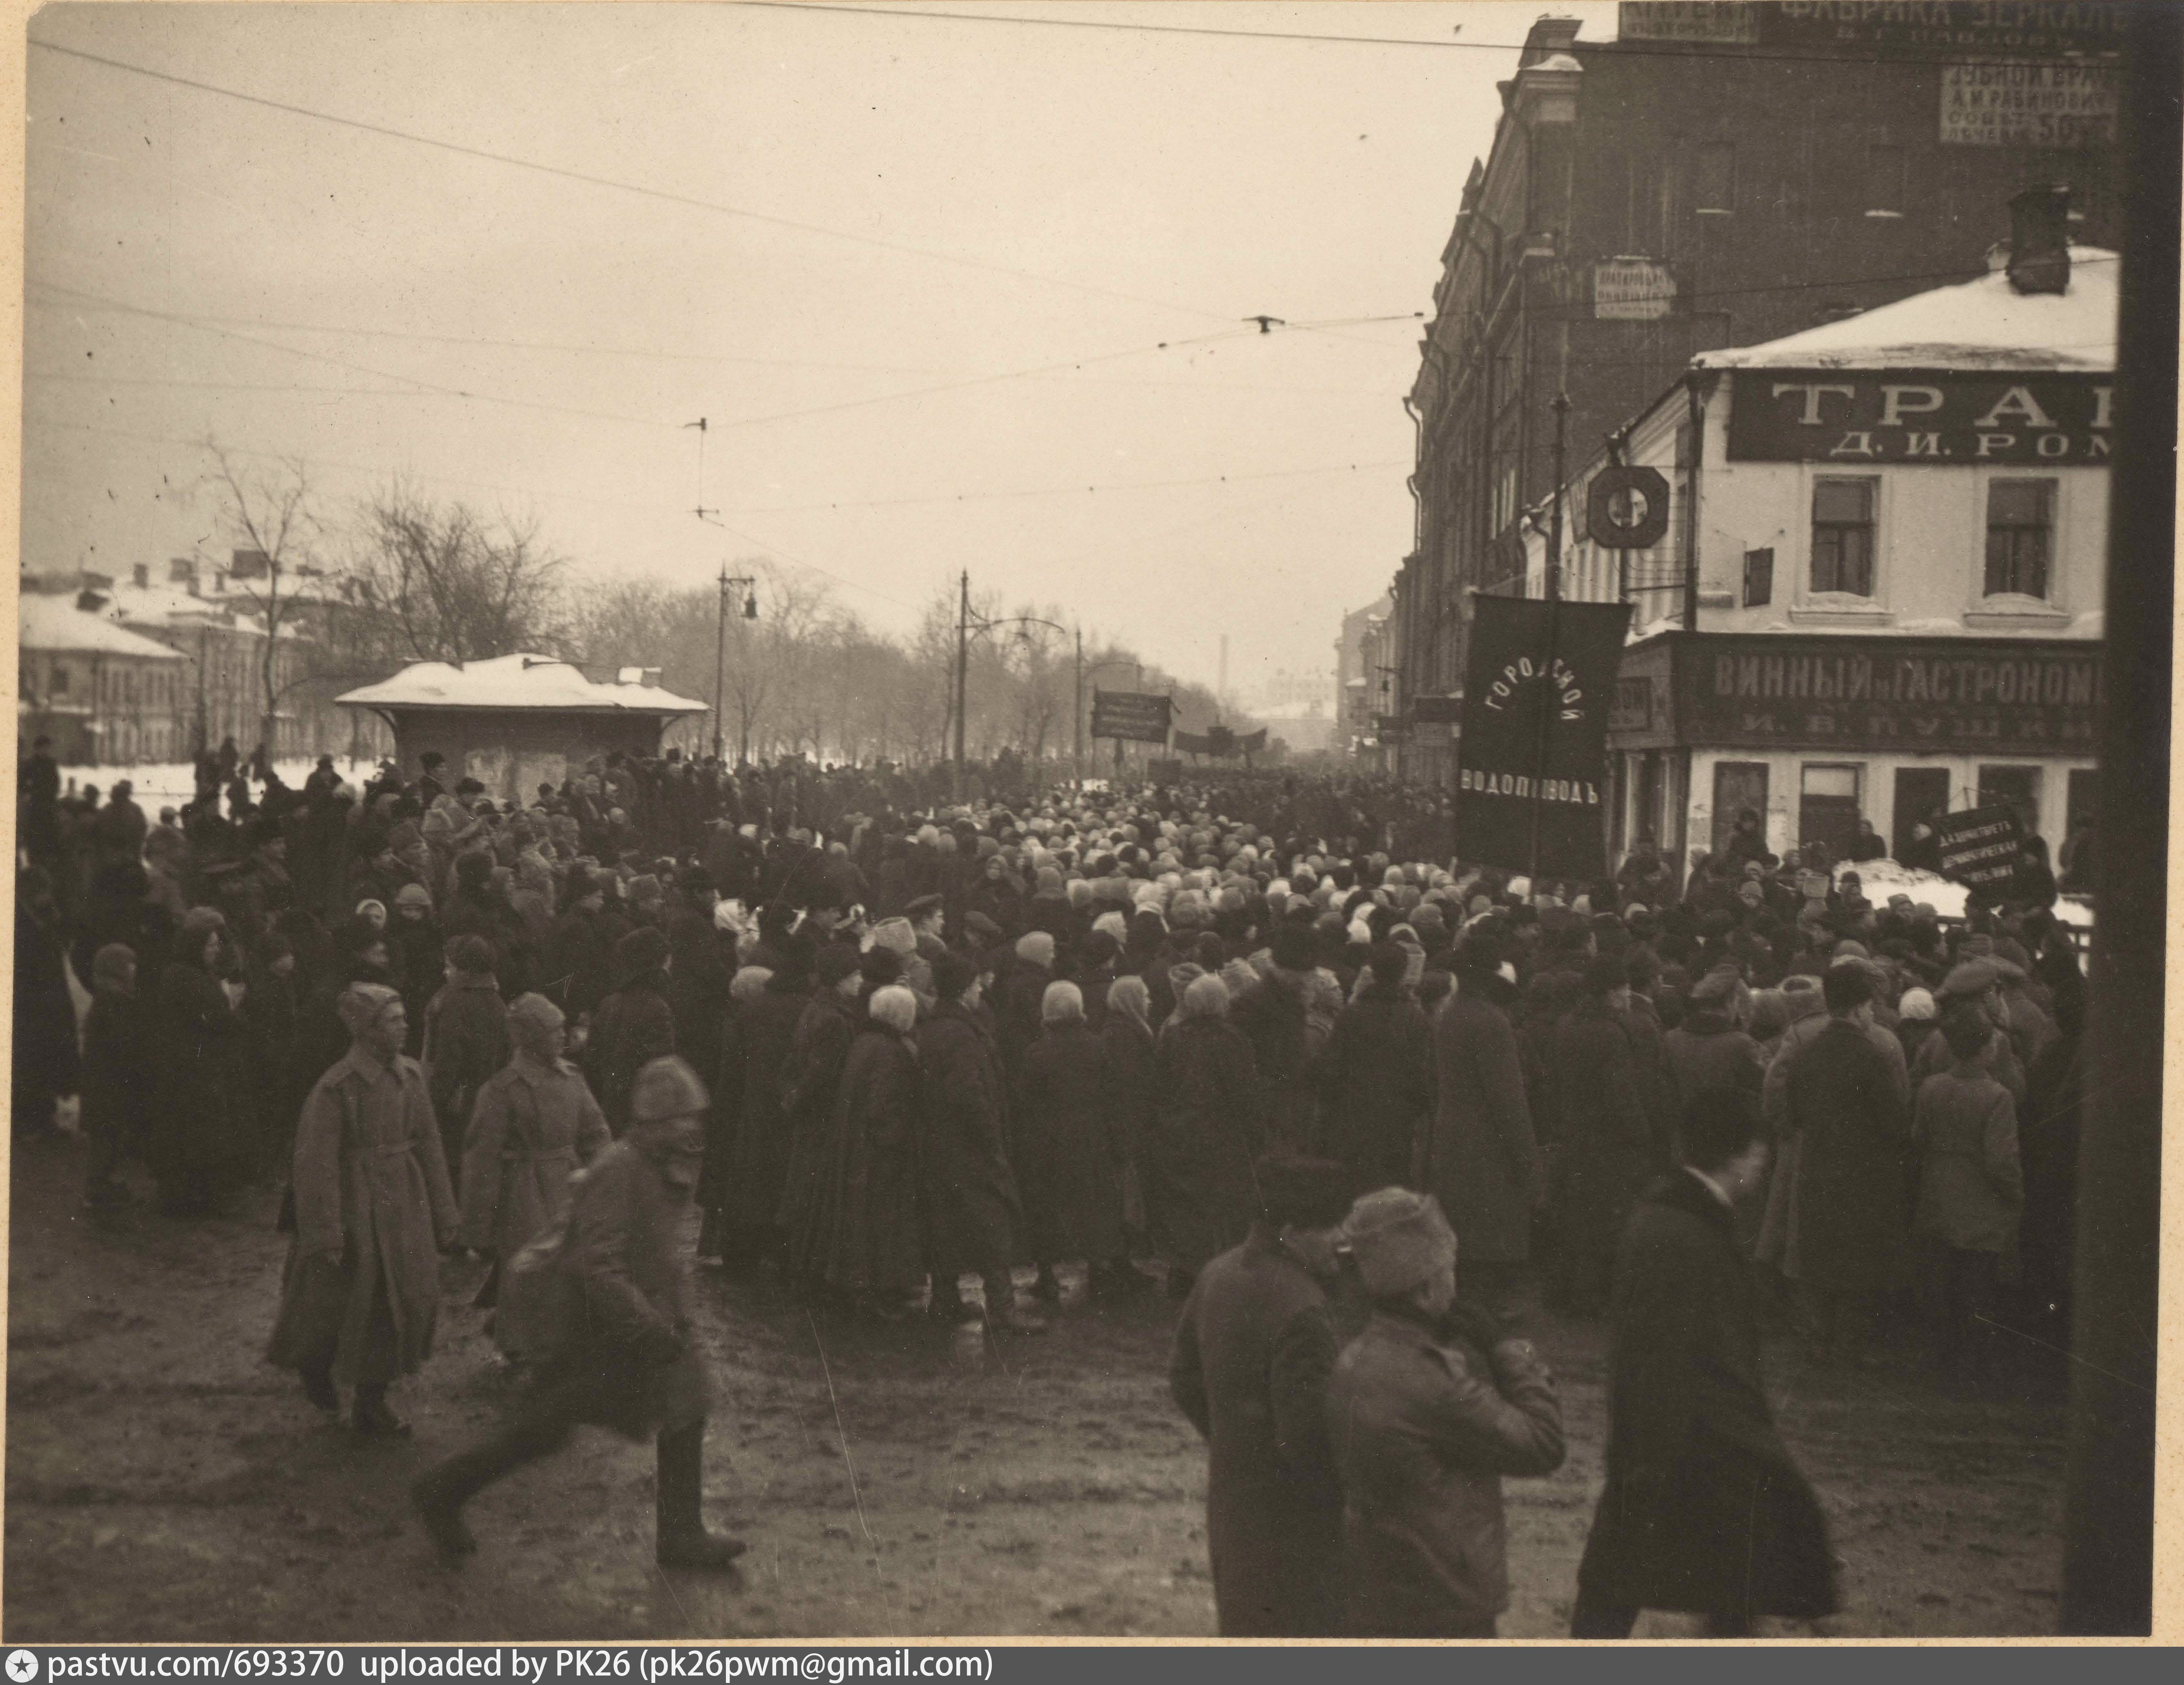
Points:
(579, 966)
(1777, 1241)
(533, 1126)
(1132, 1057)
(1479, 1158)
(1424, 1429)
(1067, 1164)
(619, 1347)
(1971, 1187)
(1707, 1051)
(866, 1217)
(809, 1079)
(974, 1213)
(697, 986)
(633, 1025)
(1608, 1142)
(201, 1134)
(44, 1048)
(1273, 1016)
(371, 1189)
(1252, 1355)
(1703, 1510)
(414, 950)
(1855, 1130)
(120, 1077)
(466, 1042)
(1376, 1084)
(759, 1146)
(1199, 1195)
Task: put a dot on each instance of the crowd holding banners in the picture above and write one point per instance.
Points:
(1169, 1033)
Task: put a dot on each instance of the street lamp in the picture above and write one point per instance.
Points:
(750, 588)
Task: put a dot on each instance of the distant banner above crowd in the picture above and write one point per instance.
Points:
(1132, 715)
(1532, 761)
(1220, 741)
(1983, 849)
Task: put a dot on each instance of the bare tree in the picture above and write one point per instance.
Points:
(268, 514)
(445, 583)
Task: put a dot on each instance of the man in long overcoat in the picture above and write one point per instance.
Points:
(1479, 1159)
(361, 1294)
(1703, 1509)
(633, 1026)
(534, 1123)
(974, 1213)
(1252, 1356)
(1376, 1078)
(1853, 1191)
(623, 1351)
(466, 1041)
(1608, 1136)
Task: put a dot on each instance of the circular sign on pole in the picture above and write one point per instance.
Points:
(1627, 509)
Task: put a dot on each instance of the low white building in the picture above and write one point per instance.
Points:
(1881, 589)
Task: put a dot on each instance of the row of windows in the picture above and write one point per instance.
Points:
(2020, 542)
(1713, 178)
(156, 689)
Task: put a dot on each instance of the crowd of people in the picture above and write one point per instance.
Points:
(1261, 1043)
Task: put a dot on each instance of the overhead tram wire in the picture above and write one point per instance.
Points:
(1628, 48)
(613, 184)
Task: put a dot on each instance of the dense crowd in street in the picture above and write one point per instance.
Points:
(1261, 1041)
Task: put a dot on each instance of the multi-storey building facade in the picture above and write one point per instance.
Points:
(1885, 580)
(1719, 177)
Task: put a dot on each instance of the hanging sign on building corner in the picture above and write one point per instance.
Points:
(1627, 509)
(1632, 290)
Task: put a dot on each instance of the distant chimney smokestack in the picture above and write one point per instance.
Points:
(2040, 240)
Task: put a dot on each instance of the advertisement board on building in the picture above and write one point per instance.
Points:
(1906, 27)
(2016, 103)
(1930, 696)
(1136, 716)
(1919, 418)
(1632, 290)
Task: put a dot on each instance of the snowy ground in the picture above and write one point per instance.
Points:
(168, 785)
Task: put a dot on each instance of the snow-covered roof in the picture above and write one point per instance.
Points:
(55, 623)
(1983, 324)
(515, 681)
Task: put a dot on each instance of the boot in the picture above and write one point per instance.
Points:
(373, 1417)
(680, 1538)
(442, 1490)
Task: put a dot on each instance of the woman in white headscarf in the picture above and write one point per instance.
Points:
(869, 1249)
(1069, 1164)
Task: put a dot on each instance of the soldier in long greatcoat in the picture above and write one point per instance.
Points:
(361, 1294)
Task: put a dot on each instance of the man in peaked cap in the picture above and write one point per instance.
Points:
(622, 1350)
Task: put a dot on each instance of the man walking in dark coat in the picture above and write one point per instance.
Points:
(624, 1352)
(1252, 1357)
(1703, 1510)
(1479, 1158)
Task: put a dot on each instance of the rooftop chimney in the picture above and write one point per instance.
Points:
(2040, 240)
(142, 574)
(182, 571)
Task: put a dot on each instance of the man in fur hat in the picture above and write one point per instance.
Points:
(623, 1352)
(1427, 1410)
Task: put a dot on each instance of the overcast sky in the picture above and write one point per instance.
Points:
(978, 199)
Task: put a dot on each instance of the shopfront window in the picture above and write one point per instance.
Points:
(1828, 806)
(1842, 537)
(2020, 536)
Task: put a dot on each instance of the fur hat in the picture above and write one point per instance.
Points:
(952, 974)
(896, 934)
(361, 1005)
(532, 1012)
(471, 953)
(666, 1089)
(1036, 945)
(1398, 1239)
(644, 950)
(414, 895)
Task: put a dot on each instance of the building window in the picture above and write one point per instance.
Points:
(1842, 537)
(1884, 181)
(1758, 578)
(1715, 188)
(2020, 536)
(60, 679)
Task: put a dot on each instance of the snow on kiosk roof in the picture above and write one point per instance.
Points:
(524, 683)
(1983, 324)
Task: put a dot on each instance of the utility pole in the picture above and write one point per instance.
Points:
(1077, 753)
(962, 674)
(1561, 407)
(721, 653)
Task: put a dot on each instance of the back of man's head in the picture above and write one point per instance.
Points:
(1717, 1126)
(1846, 986)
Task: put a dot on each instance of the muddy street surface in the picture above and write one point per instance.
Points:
(164, 1483)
